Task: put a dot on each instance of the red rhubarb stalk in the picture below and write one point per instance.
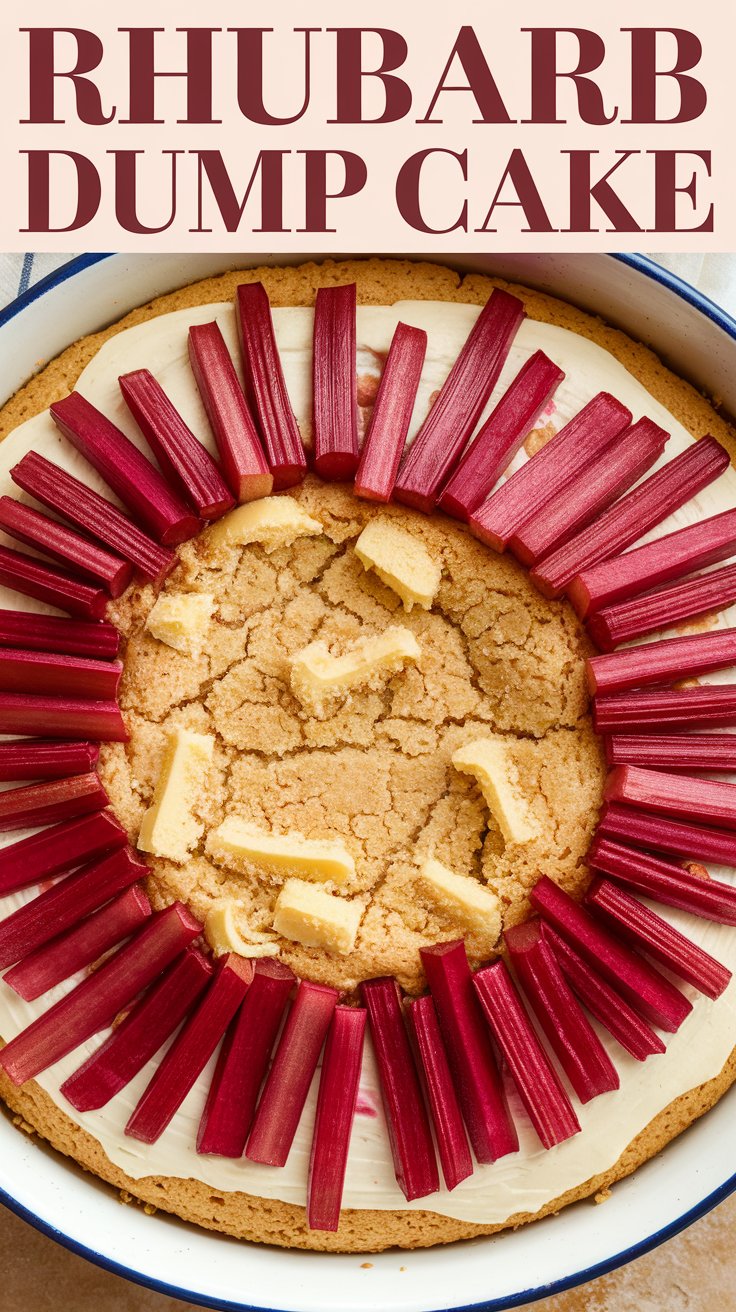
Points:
(335, 384)
(243, 1061)
(26, 759)
(686, 752)
(66, 904)
(238, 443)
(661, 834)
(501, 436)
(650, 933)
(125, 469)
(709, 706)
(25, 628)
(547, 475)
(292, 1070)
(32, 578)
(56, 850)
(638, 982)
(665, 882)
(94, 1004)
(664, 608)
(386, 436)
(139, 1036)
(666, 661)
(265, 387)
(78, 554)
(51, 800)
(568, 1030)
(183, 459)
(706, 800)
(604, 1002)
(634, 515)
(548, 1106)
(490, 1128)
(93, 514)
(191, 1050)
(61, 717)
(407, 1121)
(338, 1095)
(58, 675)
(70, 952)
(447, 1118)
(621, 464)
(442, 438)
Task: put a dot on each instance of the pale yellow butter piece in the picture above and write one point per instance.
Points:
(490, 761)
(223, 934)
(316, 919)
(169, 827)
(287, 854)
(317, 676)
(472, 905)
(272, 522)
(181, 620)
(401, 561)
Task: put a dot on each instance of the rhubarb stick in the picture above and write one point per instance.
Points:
(710, 899)
(670, 557)
(662, 609)
(70, 952)
(335, 384)
(93, 514)
(634, 515)
(709, 706)
(58, 675)
(125, 469)
(139, 1036)
(34, 632)
(604, 1002)
(569, 1033)
(407, 1122)
(94, 1004)
(674, 837)
(58, 849)
(287, 1085)
(680, 752)
(243, 1061)
(447, 1118)
(490, 1128)
(66, 904)
(191, 1050)
(26, 759)
(338, 1095)
(639, 983)
(78, 554)
(185, 462)
(442, 438)
(666, 661)
(386, 436)
(548, 1106)
(50, 801)
(547, 475)
(31, 577)
(61, 717)
(501, 436)
(620, 464)
(649, 933)
(708, 801)
(265, 387)
(238, 443)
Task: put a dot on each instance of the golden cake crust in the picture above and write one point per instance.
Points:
(268, 1221)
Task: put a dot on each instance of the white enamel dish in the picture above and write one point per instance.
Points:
(667, 1194)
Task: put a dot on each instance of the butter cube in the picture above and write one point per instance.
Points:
(169, 827)
(401, 561)
(223, 935)
(287, 854)
(316, 919)
(273, 522)
(490, 761)
(472, 905)
(317, 676)
(181, 620)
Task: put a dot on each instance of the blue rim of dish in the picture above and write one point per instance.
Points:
(641, 264)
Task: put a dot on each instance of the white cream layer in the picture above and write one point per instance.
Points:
(531, 1178)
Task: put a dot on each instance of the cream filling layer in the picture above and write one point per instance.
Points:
(531, 1178)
